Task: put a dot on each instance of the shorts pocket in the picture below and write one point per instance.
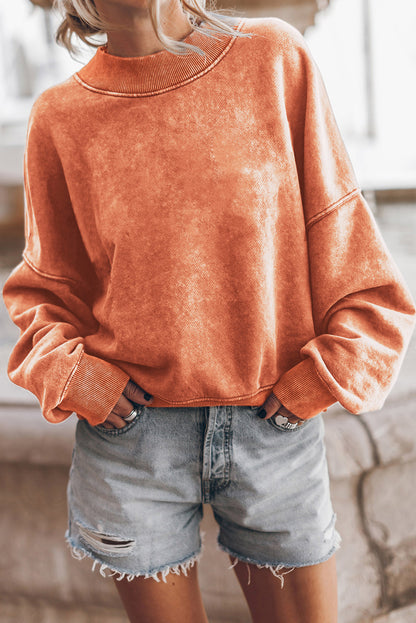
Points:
(115, 432)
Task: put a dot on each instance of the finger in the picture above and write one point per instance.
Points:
(114, 421)
(106, 425)
(271, 405)
(291, 417)
(123, 407)
(118, 421)
(136, 394)
(295, 420)
(121, 410)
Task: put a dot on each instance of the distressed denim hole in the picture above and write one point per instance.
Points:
(105, 542)
(79, 552)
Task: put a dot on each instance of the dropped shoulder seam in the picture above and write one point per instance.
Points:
(42, 273)
(332, 207)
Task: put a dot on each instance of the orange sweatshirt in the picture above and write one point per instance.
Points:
(194, 223)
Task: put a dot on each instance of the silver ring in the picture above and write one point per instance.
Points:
(131, 415)
(290, 425)
(285, 424)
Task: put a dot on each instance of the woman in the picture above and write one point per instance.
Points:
(202, 278)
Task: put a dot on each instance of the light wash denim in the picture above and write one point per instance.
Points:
(136, 494)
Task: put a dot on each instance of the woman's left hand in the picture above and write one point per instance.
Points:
(273, 406)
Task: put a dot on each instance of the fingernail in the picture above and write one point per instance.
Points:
(262, 413)
(148, 396)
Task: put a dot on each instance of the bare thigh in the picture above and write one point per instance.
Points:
(179, 600)
(309, 594)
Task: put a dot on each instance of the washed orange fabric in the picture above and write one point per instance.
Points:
(194, 223)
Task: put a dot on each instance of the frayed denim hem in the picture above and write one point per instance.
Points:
(276, 568)
(79, 552)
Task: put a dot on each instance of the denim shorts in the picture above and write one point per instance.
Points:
(135, 495)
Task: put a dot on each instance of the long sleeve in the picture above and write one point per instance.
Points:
(48, 295)
(364, 314)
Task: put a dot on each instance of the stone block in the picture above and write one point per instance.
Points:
(393, 430)
(389, 502)
(348, 447)
(41, 611)
(358, 577)
(403, 615)
(28, 438)
(389, 498)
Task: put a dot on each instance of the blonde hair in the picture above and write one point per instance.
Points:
(80, 17)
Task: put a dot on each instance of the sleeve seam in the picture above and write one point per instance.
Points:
(74, 369)
(322, 379)
(42, 273)
(332, 207)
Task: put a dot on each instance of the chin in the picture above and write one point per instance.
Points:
(139, 4)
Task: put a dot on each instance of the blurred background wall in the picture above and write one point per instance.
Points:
(366, 51)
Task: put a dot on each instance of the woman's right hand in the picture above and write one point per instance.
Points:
(123, 407)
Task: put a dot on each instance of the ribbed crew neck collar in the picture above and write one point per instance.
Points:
(158, 72)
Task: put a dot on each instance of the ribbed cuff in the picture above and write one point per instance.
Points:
(94, 389)
(302, 391)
